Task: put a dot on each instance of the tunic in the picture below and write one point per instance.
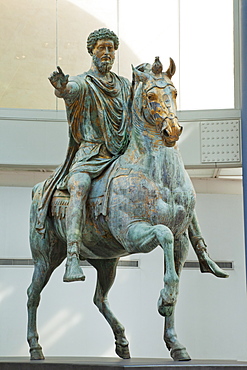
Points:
(99, 124)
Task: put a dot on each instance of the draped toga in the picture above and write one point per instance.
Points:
(97, 114)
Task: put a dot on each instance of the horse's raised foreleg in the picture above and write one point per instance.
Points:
(177, 350)
(106, 272)
(143, 238)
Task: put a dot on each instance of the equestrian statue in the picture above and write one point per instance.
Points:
(122, 188)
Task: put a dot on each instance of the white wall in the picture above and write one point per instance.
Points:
(211, 314)
(40, 138)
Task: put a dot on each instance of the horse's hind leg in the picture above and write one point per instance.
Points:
(45, 263)
(106, 272)
(177, 350)
(39, 280)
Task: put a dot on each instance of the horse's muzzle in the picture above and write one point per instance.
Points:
(171, 130)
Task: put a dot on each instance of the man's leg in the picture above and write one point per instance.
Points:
(200, 247)
(78, 186)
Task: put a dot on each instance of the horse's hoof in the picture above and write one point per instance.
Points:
(122, 351)
(36, 354)
(167, 299)
(180, 354)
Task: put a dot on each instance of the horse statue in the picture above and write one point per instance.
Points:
(147, 201)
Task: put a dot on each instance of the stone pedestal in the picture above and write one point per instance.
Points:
(105, 363)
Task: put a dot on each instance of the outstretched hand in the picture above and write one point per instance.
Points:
(58, 79)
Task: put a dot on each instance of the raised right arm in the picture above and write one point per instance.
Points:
(60, 81)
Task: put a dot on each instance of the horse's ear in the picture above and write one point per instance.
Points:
(144, 67)
(172, 68)
(138, 76)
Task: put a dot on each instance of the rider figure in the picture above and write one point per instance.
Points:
(96, 104)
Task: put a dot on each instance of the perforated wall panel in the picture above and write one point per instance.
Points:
(220, 141)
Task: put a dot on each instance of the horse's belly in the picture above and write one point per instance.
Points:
(97, 241)
(139, 199)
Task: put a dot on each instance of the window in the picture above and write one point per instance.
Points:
(37, 36)
(206, 54)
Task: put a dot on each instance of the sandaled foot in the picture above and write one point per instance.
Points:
(73, 271)
(208, 265)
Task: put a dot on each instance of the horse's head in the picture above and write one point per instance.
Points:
(156, 97)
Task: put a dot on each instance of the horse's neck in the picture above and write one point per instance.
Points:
(146, 138)
(147, 153)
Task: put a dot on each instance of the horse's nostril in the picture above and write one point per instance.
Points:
(165, 132)
(181, 130)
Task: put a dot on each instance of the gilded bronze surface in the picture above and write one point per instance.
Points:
(123, 189)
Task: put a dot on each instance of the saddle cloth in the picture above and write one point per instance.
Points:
(99, 193)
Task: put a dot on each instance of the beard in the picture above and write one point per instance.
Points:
(103, 67)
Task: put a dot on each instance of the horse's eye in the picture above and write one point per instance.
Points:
(151, 97)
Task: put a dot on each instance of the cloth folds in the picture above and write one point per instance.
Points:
(99, 124)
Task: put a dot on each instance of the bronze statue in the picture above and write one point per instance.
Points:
(140, 197)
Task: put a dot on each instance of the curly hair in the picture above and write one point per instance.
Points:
(101, 34)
